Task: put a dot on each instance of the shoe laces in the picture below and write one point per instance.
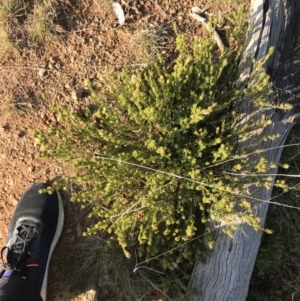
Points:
(16, 255)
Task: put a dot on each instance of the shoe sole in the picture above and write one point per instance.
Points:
(57, 235)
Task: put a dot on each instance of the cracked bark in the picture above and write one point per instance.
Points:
(225, 276)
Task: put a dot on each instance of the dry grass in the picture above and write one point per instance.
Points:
(105, 270)
(23, 24)
(149, 41)
(41, 22)
(15, 106)
(11, 12)
(111, 272)
(5, 40)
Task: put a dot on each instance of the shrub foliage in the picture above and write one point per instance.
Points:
(151, 151)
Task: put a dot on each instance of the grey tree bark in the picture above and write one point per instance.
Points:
(225, 276)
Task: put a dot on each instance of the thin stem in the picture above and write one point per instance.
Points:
(260, 174)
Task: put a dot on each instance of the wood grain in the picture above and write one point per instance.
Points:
(225, 276)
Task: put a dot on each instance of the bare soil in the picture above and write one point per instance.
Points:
(35, 76)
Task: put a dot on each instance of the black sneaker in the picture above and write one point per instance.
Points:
(32, 236)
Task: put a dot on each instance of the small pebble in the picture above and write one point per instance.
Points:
(42, 72)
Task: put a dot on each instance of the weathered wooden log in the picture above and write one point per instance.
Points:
(225, 276)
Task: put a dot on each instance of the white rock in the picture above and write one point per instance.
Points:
(119, 12)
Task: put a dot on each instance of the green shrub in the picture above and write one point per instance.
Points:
(151, 151)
